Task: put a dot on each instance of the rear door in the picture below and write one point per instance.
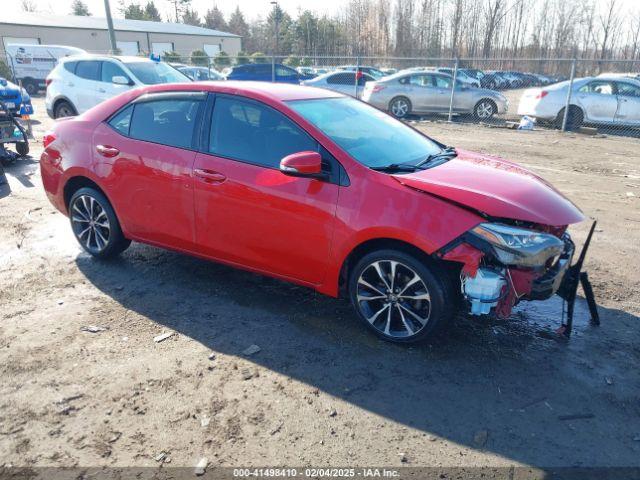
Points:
(150, 147)
(628, 104)
(85, 84)
(426, 96)
(343, 82)
(599, 101)
(247, 211)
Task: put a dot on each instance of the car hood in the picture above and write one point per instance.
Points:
(496, 187)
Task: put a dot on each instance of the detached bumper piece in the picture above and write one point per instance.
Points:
(568, 290)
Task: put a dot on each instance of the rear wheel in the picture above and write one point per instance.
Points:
(484, 109)
(63, 109)
(398, 297)
(574, 118)
(95, 225)
(22, 148)
(400, 107)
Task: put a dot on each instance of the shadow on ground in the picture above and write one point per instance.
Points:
(510, 379)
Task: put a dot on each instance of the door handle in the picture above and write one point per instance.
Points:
(102, 90)
(209, 176)
(70, 84)
(107, 151)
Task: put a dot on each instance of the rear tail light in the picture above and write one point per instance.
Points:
(377, 88)
(542, 94)
(48, 139)
(47, 82)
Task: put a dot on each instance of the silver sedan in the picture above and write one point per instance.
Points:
(430, 92)
(341, 81)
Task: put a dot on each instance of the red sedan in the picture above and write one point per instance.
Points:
(312, 187)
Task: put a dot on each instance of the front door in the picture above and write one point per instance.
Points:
(248, 212)
(106, 88)
(628, 104)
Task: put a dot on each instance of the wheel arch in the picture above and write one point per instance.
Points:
(75, 183)
(61, 99)
(371, 245)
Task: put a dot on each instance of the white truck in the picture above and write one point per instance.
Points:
(31, 64)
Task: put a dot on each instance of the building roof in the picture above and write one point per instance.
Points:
(13, 17)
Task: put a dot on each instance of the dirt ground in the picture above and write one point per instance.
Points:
(321, 391)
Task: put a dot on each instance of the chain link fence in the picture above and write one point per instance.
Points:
(591, 96)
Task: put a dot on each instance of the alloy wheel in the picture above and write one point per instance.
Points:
(64, 110)
(393, 298)
(484, 109)
(90, 223)
(400, 107)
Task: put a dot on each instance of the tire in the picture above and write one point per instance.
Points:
(30, 86)
(400, 107)
(485, 109)
(574, 120)
(22, 148)
(64, 109)
(392, 316)
(95, 225)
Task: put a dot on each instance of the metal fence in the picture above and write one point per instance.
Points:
(593, 96)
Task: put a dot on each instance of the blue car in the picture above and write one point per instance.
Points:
(262, 72)
(17, 102)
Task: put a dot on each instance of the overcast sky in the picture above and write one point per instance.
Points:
(251, 8)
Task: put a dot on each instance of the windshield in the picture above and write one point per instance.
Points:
(151, 73)
(370, 136)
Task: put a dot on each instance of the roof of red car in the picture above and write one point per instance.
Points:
(275, 91)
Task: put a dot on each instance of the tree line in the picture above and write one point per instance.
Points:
(594, 29)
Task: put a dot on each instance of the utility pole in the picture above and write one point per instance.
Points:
(276, 18)
(112, 34)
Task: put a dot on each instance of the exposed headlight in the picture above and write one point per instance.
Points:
(518, 246)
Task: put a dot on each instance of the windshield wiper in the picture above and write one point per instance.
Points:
(447, 152)
(396, 167)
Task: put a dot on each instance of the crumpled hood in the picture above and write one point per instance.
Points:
(495, 187)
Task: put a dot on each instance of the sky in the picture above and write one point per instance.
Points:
(251, 8)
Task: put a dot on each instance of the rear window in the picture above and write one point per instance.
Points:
(70, 67)
(89, 70)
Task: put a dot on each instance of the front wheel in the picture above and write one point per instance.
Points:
(398, 297)
(95, 225)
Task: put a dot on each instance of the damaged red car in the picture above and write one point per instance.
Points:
(316, 188)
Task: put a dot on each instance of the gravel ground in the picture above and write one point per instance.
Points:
(321, 391)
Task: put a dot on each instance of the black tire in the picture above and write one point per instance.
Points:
(393, 326)
(481, 109)
(22, 148)
(400, 107)
(30, 86)
(101, 241)
(574, 119)
(64, 109)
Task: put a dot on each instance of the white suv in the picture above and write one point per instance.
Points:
(80, 82)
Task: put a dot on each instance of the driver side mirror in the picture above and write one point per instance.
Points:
(120, 80)
(302, 164)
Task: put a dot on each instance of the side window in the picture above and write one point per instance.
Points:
(628, 90)
(89, 70)
(168, 122)
(421, 80)
(347, 78)
(122, 120)
(254, 133)
(110, 70)
(441, 81)
(70, 67)
(598, 86)
(285, 72)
